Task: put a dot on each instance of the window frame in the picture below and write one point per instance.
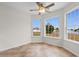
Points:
(65, 17)
(32, 27)
(45, 27)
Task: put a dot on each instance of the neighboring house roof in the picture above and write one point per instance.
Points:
(36, 28)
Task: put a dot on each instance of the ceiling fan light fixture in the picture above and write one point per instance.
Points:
(42, 10)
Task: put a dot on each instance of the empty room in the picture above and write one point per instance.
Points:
(39, 29)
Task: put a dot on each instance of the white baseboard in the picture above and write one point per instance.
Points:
(15, 46)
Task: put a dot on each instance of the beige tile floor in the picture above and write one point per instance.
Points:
(37, 50)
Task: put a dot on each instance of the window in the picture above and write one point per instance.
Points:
(73, 25)
(36, 27)
(52, 27)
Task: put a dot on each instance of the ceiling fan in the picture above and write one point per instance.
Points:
(41, 8)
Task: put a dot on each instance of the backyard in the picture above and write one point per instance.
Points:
(73, 36)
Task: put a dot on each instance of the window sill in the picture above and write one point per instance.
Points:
(72, 41)
(35, 36)
(52, 37)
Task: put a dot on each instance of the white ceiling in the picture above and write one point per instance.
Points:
(26, 6)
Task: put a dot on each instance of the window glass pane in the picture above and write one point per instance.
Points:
(52, 27)
(36, 27)
(73, 25)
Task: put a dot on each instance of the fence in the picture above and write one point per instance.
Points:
(73, 32)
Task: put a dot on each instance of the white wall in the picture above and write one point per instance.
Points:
(71, 46)
(36, 39)
(15, 28)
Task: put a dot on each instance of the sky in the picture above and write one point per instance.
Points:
(52, 21)
(36, 23)
(72, 20)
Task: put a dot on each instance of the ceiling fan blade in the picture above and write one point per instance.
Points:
(34, 10)
(50, 5)
(38, 3)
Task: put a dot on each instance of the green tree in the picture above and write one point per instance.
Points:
(49, 29)
(76, 30)
(57, 28)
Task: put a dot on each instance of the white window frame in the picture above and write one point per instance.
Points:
(45, 28)
(32, 28)
(65, 17)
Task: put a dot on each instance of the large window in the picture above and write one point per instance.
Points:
(52, 27)
(73, 25)
(36, 27)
